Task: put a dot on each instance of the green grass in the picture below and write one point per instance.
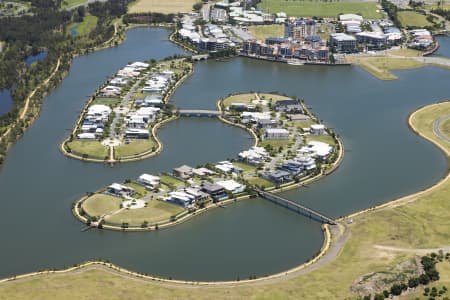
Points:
(241, 98)
(155, 211)
(135, 147)
(321, 138)
(171, 181)
(70, 3)
(264, 31)
(420, 224)
(113, 102)
(275, 143)
(260, 182)
(93, 149)
(245, 167)
(100, 204)
(140, 190)
(412, 19)
(300, 8)
(381, 66)
(85, 27)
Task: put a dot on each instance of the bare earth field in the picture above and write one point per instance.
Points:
(166, 6)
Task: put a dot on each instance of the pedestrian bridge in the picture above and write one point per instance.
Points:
(198, 113)
(294, 206)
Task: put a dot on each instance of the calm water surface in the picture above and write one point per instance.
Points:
(383, 160)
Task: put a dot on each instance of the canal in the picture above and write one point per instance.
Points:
(383, 160)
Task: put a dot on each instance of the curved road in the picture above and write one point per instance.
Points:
(437, 128)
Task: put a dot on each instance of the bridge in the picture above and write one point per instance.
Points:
(199, 57)
(198, 113)
(296, 207)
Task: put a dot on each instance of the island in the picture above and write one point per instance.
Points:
(119, 121)
(291, 148)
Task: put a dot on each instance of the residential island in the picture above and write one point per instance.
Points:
(119, 121)
(292, 147)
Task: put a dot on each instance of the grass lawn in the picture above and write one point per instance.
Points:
(154, 212)
(413, 19)
(70, 3)
(264, 31)
(85, 27)
(405, 52)
(171, 181)
(321, 138)
(275, 143)
(100, 204)
(423, 223)
(299, 8)
(241, 98)
(92, 148)
(260, 182)
(246, 167)
(113, 102)
(140, 190)
(136, 146)
(273, 97)
(172, 6)
(380, 67)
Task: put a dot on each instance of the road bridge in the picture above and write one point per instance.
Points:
(198, 113)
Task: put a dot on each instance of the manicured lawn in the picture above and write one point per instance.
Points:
(262, 32)
(275, 143)
(405, 52)
(413, 19)
(136, 146)
(172, 6)
(155, 211)
(380, 67)
(171, 181)
(273, 97)
(300, 8)
(241, 98)
(93, 149)
(261, 182)
(100, 204)
(113, 102)
(321, 138)
(246, 167)
(140, 190)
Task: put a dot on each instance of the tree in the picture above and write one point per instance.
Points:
(396, 290)
(413, 282)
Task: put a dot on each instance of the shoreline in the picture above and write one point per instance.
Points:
(140, 156)
(186, 216)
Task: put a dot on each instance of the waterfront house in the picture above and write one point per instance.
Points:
(278, 176)
(148, 180)
(318, 129)
(196, 192)
(231, 186)
(277, 134)
(86, 136)
(288, 105)
(214, 190)
(181, 198)
(316, 149)
(183, 172)
(227, 167)
(254, 155)
(137, 133)
(265, 123)
(202, 172)
(120, 190)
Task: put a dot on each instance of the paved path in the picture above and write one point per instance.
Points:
(414, 250)
(437, 128)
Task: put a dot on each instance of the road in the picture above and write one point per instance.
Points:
(437, 128)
